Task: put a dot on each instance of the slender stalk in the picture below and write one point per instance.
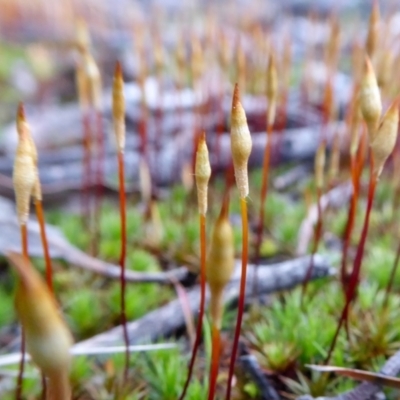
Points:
(317, 239)
(202, 221)
(357, 163)
(24, 240)
(43, 237)
(99, 180)
(263, 197)
(354, 278)
(243, 207)
(349, 224)
(391, 278)
(122, 202)
(21, 368)
(86, 182)
(216, 351)
(118, 112)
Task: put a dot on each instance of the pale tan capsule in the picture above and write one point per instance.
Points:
(202, 174)
(93, 79)
(180, 56)
(197, 60)
(385, 66)
(370, 99)
(24, 128)
(357, 55)
(153, 229)
(272, 88)
(225, 53)
(82, 36)
(144, 180)
(371, 43)
(319, 165)
(240, 144)
(385, 139)
(334, 160)
(158, 52)
(118, 107)
(48, 339)
(25, 168)
(220, 262)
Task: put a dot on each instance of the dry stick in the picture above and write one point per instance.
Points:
(319, 180)
(119, 128)
(202, 174)
(241, 148)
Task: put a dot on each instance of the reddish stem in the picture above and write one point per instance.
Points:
(317, 239)
(216, 351)
(18, 390)
(143, 131)
(202, 220)
(86, 168)
(242, 294)
(355, 275)
(24, 241)
(43, 236)
(264, 191)
(391, 278)
(350, 222)
(99, 180)
(356, 169)
(122, 202)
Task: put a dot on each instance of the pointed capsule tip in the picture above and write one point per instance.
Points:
(236, 98)
(21, 112)
(368, 65)
(118, 69)
(202, 137)
(271, 58)
(224, 213)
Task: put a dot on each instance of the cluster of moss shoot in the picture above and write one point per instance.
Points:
(303, 328)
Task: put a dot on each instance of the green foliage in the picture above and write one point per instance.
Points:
(163, 372)
(7, 307)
